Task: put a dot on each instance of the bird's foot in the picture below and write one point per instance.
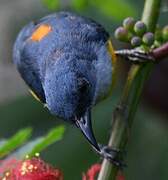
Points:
(136, 55)
(115, 156)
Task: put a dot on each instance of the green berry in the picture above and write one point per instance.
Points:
(157, 44)
(165, 33)
(121, 34)
(148, 38)
(136, 41)
(158, 34)
(129, 23)
(140, 28)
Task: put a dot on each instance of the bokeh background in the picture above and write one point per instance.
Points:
(147, 152)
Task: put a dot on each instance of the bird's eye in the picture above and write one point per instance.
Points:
(83, 85)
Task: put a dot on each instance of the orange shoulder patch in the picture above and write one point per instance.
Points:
(40, 32)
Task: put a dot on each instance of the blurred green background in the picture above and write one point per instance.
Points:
(147, 152)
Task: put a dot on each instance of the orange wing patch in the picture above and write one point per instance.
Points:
(40, 32)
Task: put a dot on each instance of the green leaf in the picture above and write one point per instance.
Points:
(118, 9)
(51, 4)
(15, 141)
(53, 135)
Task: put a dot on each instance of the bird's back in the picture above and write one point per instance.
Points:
(65, 39)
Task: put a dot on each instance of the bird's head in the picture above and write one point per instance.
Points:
(69, 95)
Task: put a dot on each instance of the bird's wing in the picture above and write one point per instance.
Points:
(27, 66)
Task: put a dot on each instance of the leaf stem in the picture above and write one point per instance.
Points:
(130, 96)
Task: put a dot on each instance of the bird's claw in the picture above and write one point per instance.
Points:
(136, 55)
(108, 149)
(115, 156)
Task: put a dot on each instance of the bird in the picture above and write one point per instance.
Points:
(68, 62)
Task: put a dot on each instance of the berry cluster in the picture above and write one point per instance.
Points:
(137, 34)
(161, 36)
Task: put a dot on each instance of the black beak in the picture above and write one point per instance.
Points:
(85, 125)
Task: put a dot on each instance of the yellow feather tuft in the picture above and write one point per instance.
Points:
(34, 95)
(114, 63)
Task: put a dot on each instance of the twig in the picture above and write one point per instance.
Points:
(160, 52)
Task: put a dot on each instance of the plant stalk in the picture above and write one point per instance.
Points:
(126, 110)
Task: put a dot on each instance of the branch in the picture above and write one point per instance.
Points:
(130, 96)
(160, 52)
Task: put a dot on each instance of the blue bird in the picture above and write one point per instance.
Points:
(68, 63)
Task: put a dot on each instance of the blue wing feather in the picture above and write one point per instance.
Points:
(27, 66)
(73, 40)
